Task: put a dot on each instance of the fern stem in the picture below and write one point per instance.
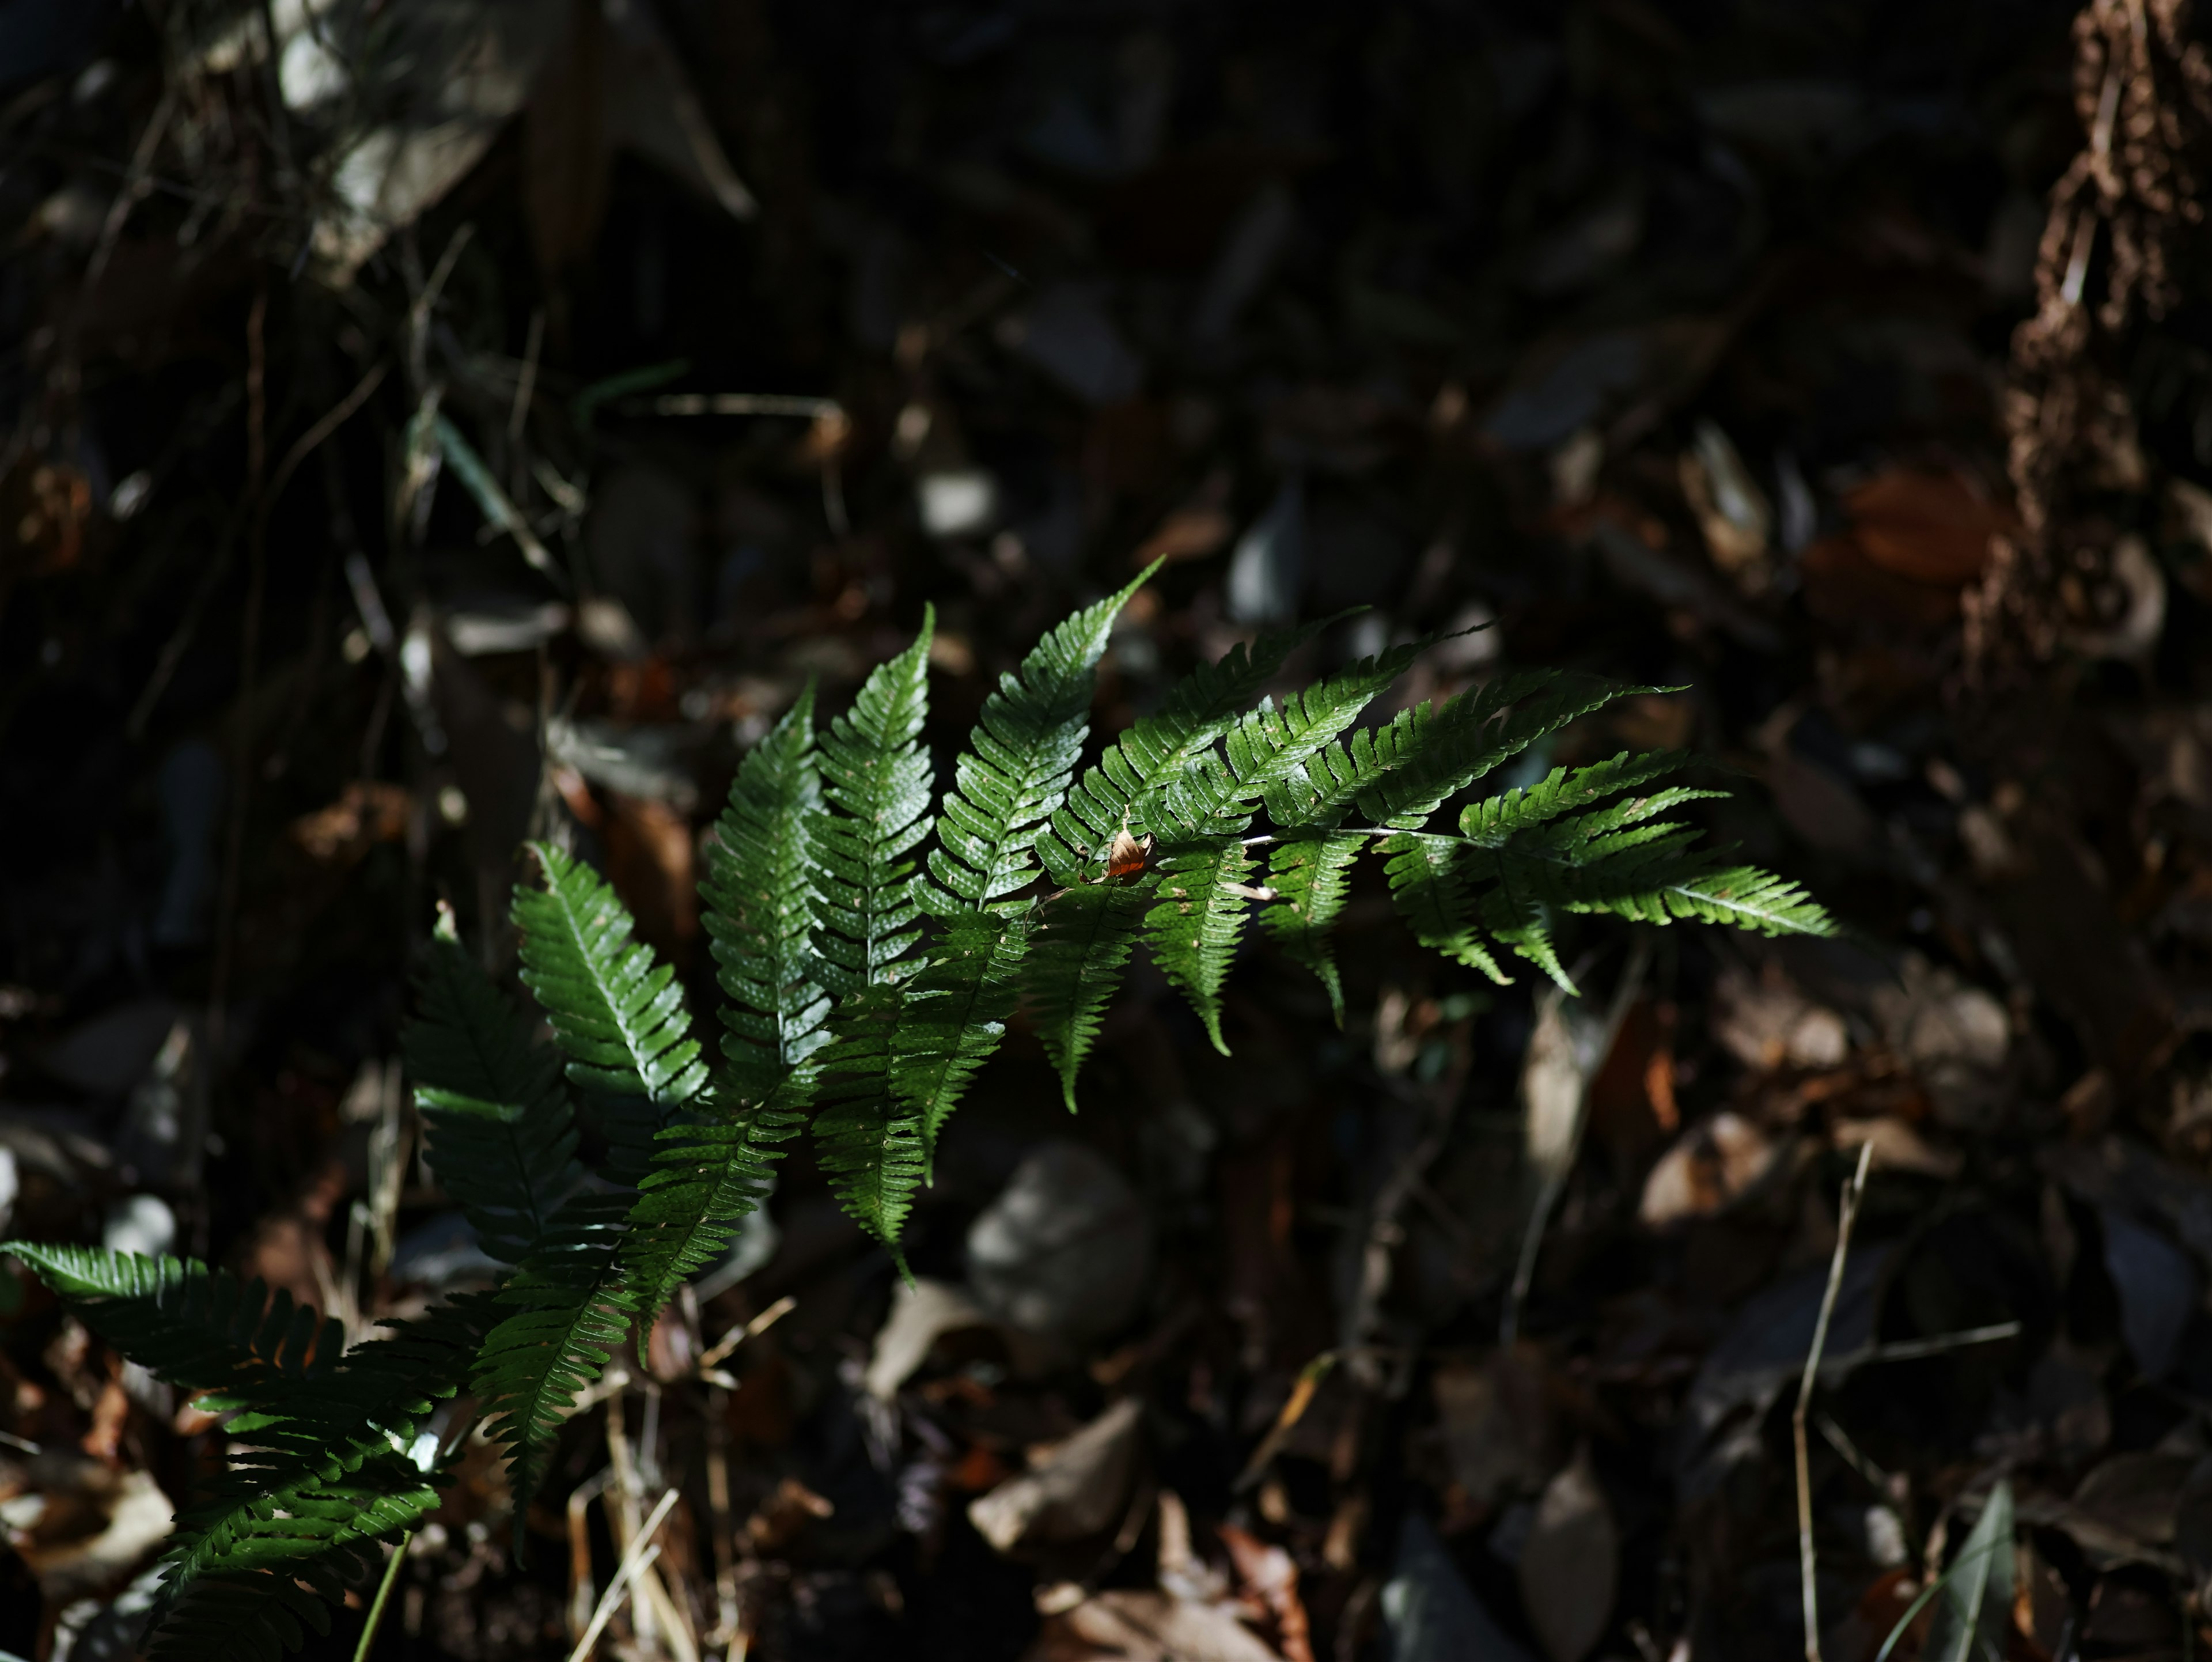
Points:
(382, 1597)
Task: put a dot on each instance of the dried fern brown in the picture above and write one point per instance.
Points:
(871, 937)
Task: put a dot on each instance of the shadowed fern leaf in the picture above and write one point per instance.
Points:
(198, 1329)
(502, 1135)
(571, 1304)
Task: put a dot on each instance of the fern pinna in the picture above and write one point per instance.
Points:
(870, 941)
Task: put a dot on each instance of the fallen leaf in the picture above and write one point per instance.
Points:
(1129, 1625)
(1932, 527)
(1078, 1490)
(1709, 1167)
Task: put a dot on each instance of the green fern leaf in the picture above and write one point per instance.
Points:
(953, 1014)
(1143, 783)
(1015, 774)
(1271, 746)
(502, 1136)
(714, 1166)
(198, 1329)
(1430, 886)
(877, 777)
(1080, 946)
(870, 1142)
(762, 911)
(571, 1304)
(1194, 929)
(1309, 869)
(1475, 733)
(618, 1014)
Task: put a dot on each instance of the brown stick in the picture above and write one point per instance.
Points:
(1848, 1213)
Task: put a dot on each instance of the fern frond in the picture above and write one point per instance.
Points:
(1080, 946)
(1015, 774)
(877, 777)
(1271, 746)
(502, 1136)
(1475, 733)
(762, 911)
(953, 1016)
(618, 1014)
(1141, 784)
(1495, 820)
(198, 1329)
(1430, 886)
(869, 1143)
(714, 1166)
(571, 1304)
(1309, 869)
(1194, 929)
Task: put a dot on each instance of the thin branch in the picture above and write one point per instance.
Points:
(1848, 1214)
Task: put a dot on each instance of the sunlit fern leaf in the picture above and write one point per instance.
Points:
(877, 777)
(617, 1013)
(953, 1013)
(1476, 733)
(1200, 915)
(1273, 744)
(1021, 755)
(868, 1142)
(1741, 896)
(1494, 820)
(571, 1304)
(762, 911)
(1151, 762)
(198, 1329)
(1081, 944)
(1310, 872)
(502, 1136)
(1430, 886)
(714, 1166)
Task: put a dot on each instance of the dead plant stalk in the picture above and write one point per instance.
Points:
(1847, 1213)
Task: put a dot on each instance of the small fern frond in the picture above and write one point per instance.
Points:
(570, 1304)
(1080, 946)
(1194, 931)
(1310, 872)
(1494, 820)
(1139, 783)
(617, 1013)
(1271, 746)
(1015, 773)
(953, 1014)
(198, 1329)
(1431, 887)
(714, 1166)
(321, 1467)
(762, 911)
(868, 1142)
(502, 1138)
(878, 777)
(1475, 733)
